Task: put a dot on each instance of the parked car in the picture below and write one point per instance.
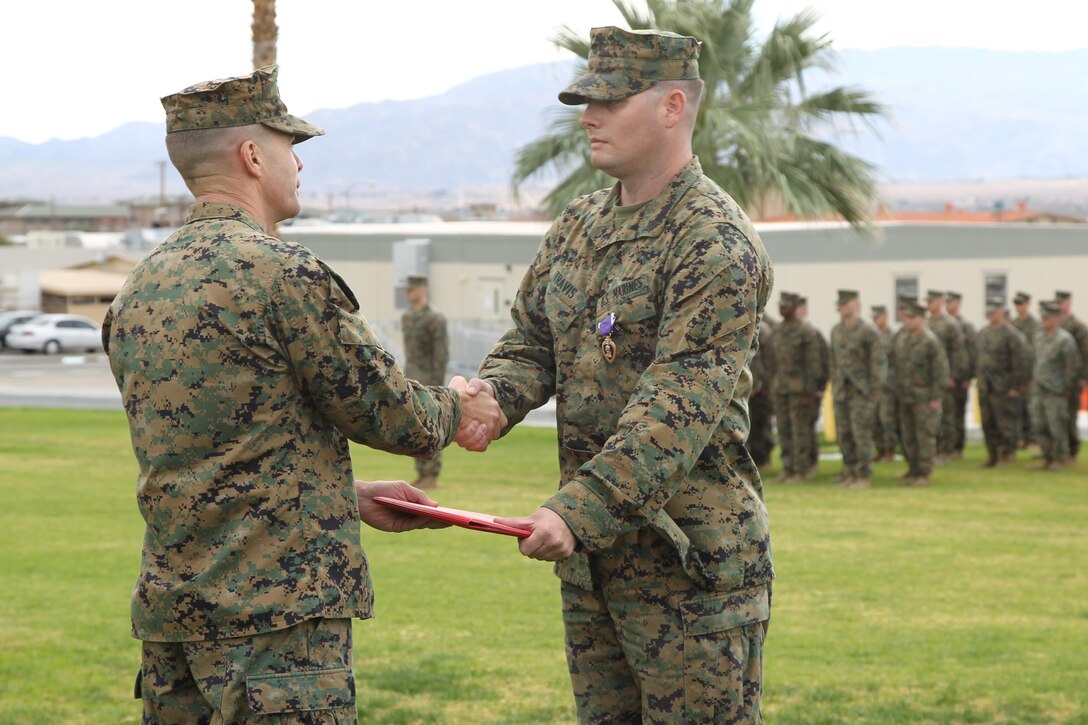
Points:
(53, 333)
(8, 318)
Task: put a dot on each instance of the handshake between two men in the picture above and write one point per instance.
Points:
(482, 421)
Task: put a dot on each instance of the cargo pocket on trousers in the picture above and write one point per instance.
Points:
(723, 655)
(328, 694)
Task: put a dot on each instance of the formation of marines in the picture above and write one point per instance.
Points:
(908, 390)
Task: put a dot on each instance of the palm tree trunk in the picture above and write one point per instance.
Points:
(264, 33)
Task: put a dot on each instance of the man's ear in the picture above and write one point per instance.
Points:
(673, 105)
(251, 156)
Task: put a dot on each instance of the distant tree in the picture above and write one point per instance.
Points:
(760, 134)
(264, 33)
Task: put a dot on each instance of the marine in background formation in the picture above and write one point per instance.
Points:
(761, 403)
(1058, 365)
(963, 379)
(427, 355)
(798, 385)
(1028, 326)
(885, 437)
(950, 335)
(921, 374)
(1079, 332)
(1004, 374)
(858, 373)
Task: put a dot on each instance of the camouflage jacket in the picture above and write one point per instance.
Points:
(1028, 327)
(656, 437)
(798, 359)
(887, 340)
(244, 369)
(857, 359)
(950, 335)
(1057, 362)
(1004, 360)
(759, 365)
(426, 346)
(919, 367)
(970, 348)
(1077, 329)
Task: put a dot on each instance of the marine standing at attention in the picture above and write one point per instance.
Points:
(640, 314)
(426, 356)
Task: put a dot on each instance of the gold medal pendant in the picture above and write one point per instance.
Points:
(608, 349)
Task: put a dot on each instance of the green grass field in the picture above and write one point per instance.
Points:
(963, 603)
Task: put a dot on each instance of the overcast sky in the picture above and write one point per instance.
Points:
(74, 68)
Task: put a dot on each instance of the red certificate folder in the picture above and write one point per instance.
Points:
(467, 519)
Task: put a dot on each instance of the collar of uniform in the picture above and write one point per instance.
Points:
(220, 210)
(650, 219)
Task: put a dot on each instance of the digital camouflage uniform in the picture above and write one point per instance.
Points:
(666, 597)
(859, 370)
(1028, 326)
(920, 373)
(950, 335)
(798, 388)
(1057, 365)
(426, 354)
(963, 383)
(1079, 333)
(760, 404)
(244, 368)
(1004, 367)
(821, 385)
(885, 437)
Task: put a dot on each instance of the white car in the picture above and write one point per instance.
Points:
(53, 333)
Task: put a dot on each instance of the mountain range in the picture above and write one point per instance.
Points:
(960, 115)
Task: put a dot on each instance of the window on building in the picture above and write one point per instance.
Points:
(997, 287)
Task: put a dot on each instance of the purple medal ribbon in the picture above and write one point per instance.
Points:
(604, 327)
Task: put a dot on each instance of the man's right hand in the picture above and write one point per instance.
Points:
(482, 420)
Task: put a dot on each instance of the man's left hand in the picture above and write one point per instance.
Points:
(551, 540)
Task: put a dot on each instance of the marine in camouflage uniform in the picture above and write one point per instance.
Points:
(950, 335)
(920, 371)
(963, 382)
(244, 368)
(426, 354)
(1057, 365)
(1004, 373)
(798, 384)
(885, 437)
(825, 376)
(859, 370)
(1028, 326)
(761, 403)
(1079, 331)
(642, 319)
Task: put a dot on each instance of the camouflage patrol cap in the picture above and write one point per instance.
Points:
(1060, 295)
(1049, 308)
(934, 295)
(953, 296)
(847, 295)
(787, 299)
(879, 310)
(994, 304)
(1021, 298)
(906, 300)
(914, 309)
(235, 101)
(415, 280)
(623, 63)
(801, 300)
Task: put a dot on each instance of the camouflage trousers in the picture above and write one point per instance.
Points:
(1074, 408)
(959, 420)
(946, 429)
(429, 466)
(885, 437)
(761, 435)
(1000, 421)
(646, 645)
(296, 676)
(918, 425)
(1050, 421)
(796, 417)
(1027, 434)
(854, 428)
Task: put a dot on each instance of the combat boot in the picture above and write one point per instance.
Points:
(920, 482)
(990, 462)
(858, 482)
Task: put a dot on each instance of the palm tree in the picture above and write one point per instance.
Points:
(264, 33)
(759, 134)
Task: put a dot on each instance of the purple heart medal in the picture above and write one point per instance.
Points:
(604, 331)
